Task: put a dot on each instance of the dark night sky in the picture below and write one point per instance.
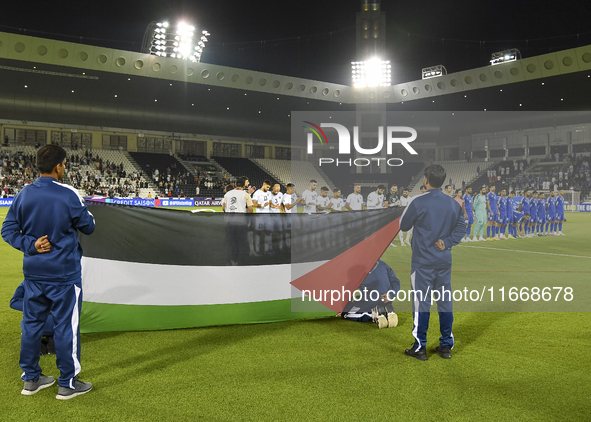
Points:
(263, 35)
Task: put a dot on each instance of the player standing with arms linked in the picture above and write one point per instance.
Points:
(470, 211)
(439, 225)
(560, 211)
(551, 215)
(43, 223)
(492, 208)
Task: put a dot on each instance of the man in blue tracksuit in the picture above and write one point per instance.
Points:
(43, 223)
(439, 225)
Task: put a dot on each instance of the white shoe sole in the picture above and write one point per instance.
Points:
(71, 396)
(30, 393)
(392, 320)
(382, 322)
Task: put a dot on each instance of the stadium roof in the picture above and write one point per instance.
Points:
(74, 84)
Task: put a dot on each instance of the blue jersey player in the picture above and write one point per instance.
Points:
(469, 210)
(560, 211)
(43, 222)
(533, 209)
(551, 214)
(542, 204)
(526, 210)
(492, 211)
(503, 213)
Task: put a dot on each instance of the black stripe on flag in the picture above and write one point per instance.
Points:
(174, 237)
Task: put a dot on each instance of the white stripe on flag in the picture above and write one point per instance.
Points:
(133, 283)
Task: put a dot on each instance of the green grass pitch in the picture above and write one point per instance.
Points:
(505, 366)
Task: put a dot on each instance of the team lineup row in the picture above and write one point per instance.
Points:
(524, 214)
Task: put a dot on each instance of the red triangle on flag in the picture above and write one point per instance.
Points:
(346, 272)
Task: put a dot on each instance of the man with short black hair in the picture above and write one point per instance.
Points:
(323, 202)
(355, 199)
(439, 225)
(375, 200)
(43, 222)
(309, 196)
(492, 208)
(393, 199)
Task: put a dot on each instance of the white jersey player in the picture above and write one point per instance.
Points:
(323, 201)
(355, 199)
(262, 198)
(405, 201)
(309, 196)
(375, 200)
(290, 200)
(336, 202)
(276, 200)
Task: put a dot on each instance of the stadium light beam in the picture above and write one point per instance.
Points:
(177, 41)
(371, 73)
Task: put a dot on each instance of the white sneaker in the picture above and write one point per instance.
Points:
(502, 235)
(463, 240)
(481, 239)
(408, 242)
(402, 243)
(392, 320)
(560, 234)
(382, 321)
(392, 245)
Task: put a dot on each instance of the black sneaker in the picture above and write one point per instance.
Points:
(444, 352)
(65, 393)
(31, 387)
(420, 355)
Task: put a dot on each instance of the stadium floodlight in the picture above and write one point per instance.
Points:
(371, 73)
(505, 56)
(175, 41)
(434, 71)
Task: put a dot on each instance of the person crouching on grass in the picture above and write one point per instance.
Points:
(381, 279)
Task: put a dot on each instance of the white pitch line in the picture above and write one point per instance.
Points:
(541, 253)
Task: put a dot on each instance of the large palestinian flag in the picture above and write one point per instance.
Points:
(152, 269)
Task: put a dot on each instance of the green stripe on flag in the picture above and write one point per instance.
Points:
(102, 317)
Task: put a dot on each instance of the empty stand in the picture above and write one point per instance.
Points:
(458, 172)
(297, 172)
(245, 167)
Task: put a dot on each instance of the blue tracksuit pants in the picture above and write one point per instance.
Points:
(424, 281)
(64, 301)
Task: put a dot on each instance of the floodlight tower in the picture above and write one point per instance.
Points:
(371, 30)
(176, 41)
(371, 71)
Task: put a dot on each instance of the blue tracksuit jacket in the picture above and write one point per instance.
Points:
(434, 215)
(26, 221)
